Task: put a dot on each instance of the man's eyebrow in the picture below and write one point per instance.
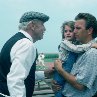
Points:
(77, 27)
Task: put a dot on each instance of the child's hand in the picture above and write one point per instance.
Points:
(48, 72)
(94, 45)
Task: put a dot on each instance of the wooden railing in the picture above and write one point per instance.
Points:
(43, 89)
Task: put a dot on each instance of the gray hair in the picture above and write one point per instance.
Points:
(24, 25)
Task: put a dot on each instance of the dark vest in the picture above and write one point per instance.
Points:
(5, 65)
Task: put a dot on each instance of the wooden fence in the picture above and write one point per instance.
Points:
(43, 89)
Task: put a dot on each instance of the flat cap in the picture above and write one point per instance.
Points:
(28, 16)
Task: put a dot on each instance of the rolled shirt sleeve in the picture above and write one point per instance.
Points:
(22, 54)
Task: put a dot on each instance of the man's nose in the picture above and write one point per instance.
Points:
(75, 31)
(44, 28)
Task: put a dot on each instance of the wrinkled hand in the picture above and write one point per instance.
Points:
(49, 73)
(55, 86)
(58, 65)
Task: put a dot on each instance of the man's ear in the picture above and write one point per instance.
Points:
(31, 25)
(90, 30)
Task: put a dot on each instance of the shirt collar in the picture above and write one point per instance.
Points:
(26, 34)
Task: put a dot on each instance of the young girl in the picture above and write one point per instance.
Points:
(68, 52)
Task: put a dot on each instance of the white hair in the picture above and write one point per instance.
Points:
(24, 25)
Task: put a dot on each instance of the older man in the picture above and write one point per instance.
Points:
(18, 56)
(82, 81)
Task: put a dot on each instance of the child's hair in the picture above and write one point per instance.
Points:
(68, 23)
(71, 25)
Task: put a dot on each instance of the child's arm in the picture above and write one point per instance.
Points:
(62, 53)
(67, 45)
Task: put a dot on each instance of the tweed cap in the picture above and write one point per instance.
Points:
(28, 16)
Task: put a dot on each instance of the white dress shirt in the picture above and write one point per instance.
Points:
(22, 54)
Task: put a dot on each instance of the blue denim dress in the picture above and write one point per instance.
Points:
(67, 65)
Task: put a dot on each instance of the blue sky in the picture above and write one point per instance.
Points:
(58, 10)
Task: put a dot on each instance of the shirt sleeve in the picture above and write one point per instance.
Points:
(88, 70)
(62, 53)
(22, 54)
(39, 75)
(67, 45)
